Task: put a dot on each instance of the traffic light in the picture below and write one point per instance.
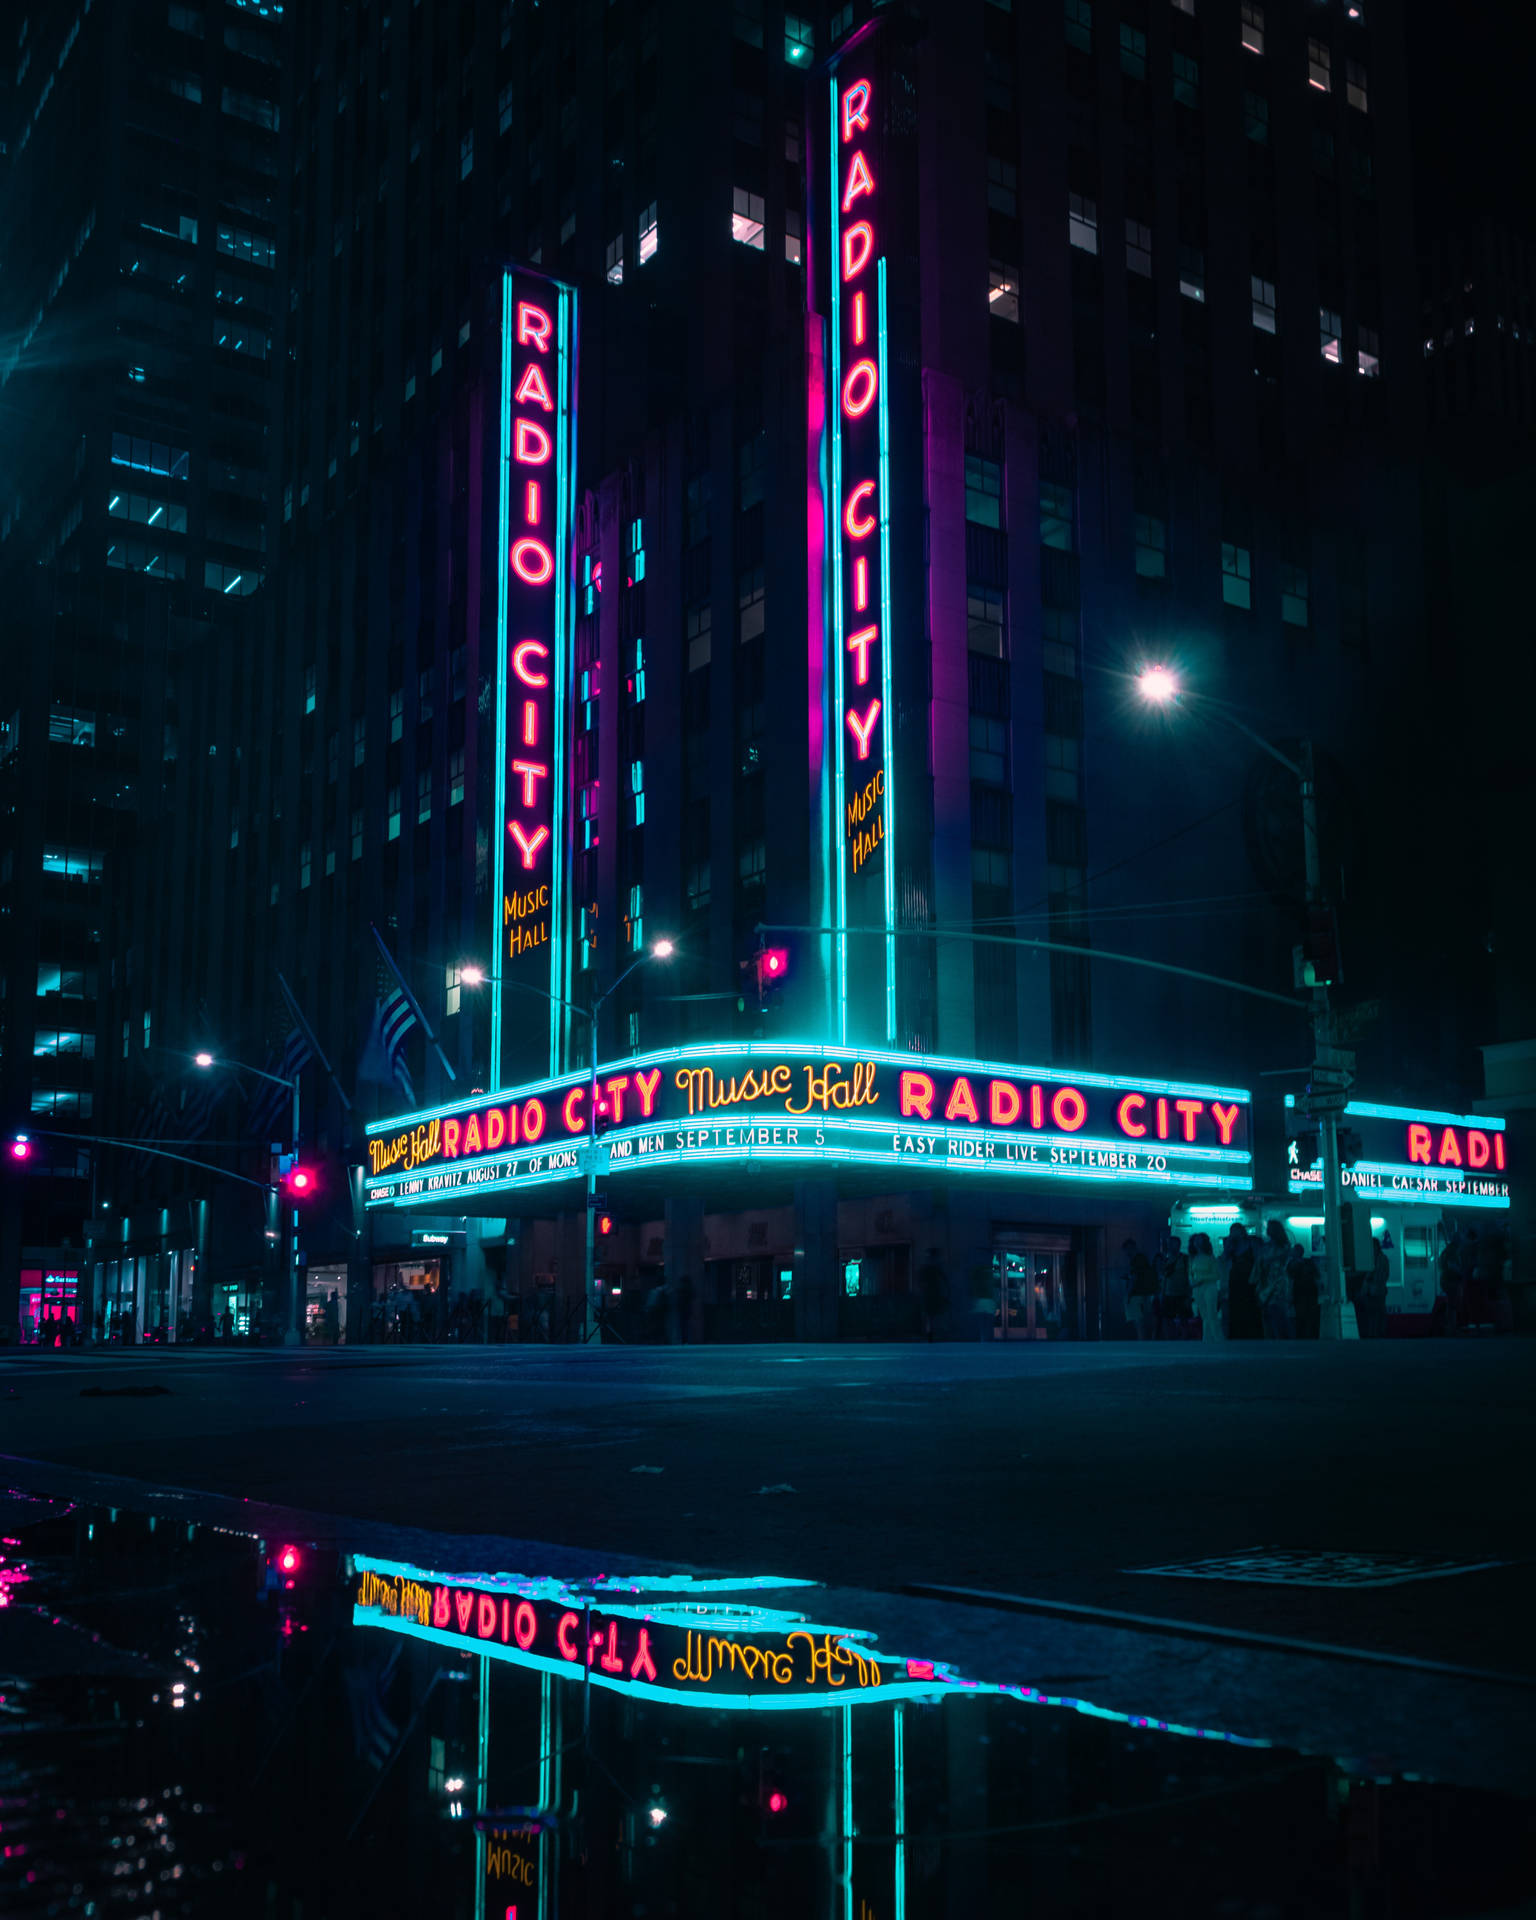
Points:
(1322, 947)
(1304, 1151)
(21, 1147)
(300, 1182)
(768, 968)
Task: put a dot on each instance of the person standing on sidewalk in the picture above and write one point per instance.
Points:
(1140, 1292)
(1205, 1281)
(1274, 1283)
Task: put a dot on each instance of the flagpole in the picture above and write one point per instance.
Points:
(415, 1004)
(309, 1034)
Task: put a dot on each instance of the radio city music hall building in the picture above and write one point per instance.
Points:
(771, 442)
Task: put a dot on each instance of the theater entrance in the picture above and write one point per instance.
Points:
(1037, 1288)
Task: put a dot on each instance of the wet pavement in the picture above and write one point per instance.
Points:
(212, 1707)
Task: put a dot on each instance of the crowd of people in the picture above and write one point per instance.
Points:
(1265, 1287)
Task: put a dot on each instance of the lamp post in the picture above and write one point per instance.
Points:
(206, 1062)
(1160, 686)
(476, 976)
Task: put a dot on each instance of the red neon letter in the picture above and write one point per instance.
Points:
(1189, 1109)
(856, 109)
(858, 319)
(528, 844)
(530, 770)
(962, 1102)
(1004, 1103)
(859, 526)
(860, 584)
(533, 1121)
(1477, 1148)
(1498, 1151)
(524, 1625)
(1226, 1120)
(440, 1612)
(642, 1662)
(464, 1606)
(531, 503)
(916, 1095)
(531, 388)
(530, 723)
(573, 1122)
(495, 1129)
(472, 1134)
(862, 729)
(485, 1617)
(506, 1621)
(1418, 1143)
(646, 1085)
(1068, 1109)
(860, 385)
(532, 561)
(563, 1638)
(1037, 1106)
(610, 1662)
(1135, 1128)
(859, 644)
(533, 326)
(615, 1087)
(1448, 1156)
(531, 445)
(530, 676)
(860, 180)
(450, 1139)
(858, 245)
(1162, 1119)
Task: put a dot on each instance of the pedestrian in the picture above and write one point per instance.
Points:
(1173, 1301)
(1306, 1304)
(1244, 1320)
(331, 1317)
(1371, 1308)
(1140, 1291)
(1205, 1282)
(1274, 1283)
(933, 1288)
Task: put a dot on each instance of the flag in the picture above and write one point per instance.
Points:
(383, 1056)
(271, 1104)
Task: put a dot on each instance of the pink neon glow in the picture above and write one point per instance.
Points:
(1004, 1103)
(856, 109)
(525, 1624)
(1419, 1138)
(916, 1096)
(21, 1149)
(1069, 1109)
(530, 723)
(531, 445)
(520, 655)
(563, 1638)
(574, 1122)
(1450, 1152)
(463, 1606)
(860, 181)
(860, 585)
(858, 245)
(531, 503)
(288, 1559)
(1191, 1110)
(858, 645)
(862, 728)
(642, 1662)
(533, 390)
(1478, 1151)
(860, 385)
(530, 772)
(859, 526)
(615, 1087)
(961, 1104)
(534, 326)
(528, 844)
(858, 319)
(532, 561)
(1123, 1114)
(533, 1112)
(646, 1085)
(1226, 1120)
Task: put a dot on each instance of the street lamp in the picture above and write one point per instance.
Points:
(1160, 686)
(206, 1061)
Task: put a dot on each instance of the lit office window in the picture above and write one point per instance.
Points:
(648, 233)
(1319, 66)
(747, 218)
(1253, 28)
(1003, 291)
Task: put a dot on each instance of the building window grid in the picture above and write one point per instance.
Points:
(1252, 29)
(1236, 575)
(1294, 596)
(1263, 292)
(1083, 222)
(747, 218)
(1003, 291)
(1138, 248)
(1355, 89)
(1080, 25)
(1319, 66)
(1133, 52)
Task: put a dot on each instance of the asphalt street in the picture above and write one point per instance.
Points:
(1051, 1476)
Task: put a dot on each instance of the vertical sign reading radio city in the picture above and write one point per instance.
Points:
(859, 526)
(534, 611)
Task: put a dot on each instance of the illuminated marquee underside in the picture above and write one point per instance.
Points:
(696, 1643)
(797, 1103)
(1408, 1154)
(534, 606)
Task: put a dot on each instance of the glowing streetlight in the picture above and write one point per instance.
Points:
(202, 1059)
(472, 976)
(663, 950)
(1160, 685)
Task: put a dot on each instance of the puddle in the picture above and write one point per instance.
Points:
(194, 1721)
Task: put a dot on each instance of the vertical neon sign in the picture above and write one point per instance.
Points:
(859, 527)
(533, 628)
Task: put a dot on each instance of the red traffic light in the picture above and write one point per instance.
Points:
(300, 1182)
(288, 1559)
(21, 1147)
(773, 962)
(777, 1802)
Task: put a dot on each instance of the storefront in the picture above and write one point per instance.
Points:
(813, 1192)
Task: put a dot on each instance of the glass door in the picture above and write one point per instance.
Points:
(1035, 1293)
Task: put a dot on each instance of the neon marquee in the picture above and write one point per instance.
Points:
(534, 611)
(858, 512)
(798, 1102)
(1407, 1153)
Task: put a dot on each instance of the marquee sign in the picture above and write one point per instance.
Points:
(1407, 1153)
(534, 614)
(797, 1102)
(858, 512)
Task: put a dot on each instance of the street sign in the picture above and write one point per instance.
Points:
(1334, 1060)
(1327, 1099)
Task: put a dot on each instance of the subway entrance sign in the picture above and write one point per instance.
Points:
(800, 1103)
